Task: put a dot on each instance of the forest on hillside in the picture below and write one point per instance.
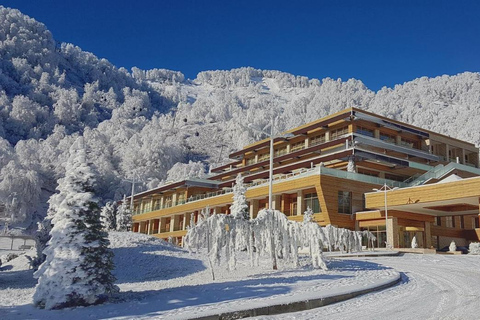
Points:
(158, 126)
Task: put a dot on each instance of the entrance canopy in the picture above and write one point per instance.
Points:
(445, 198)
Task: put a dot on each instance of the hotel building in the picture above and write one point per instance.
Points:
(333, 165)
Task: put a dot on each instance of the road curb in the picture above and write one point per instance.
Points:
(298, 305)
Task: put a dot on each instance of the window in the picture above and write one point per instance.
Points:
(181, 198)
(311, 200)
(462, 222)
(250, 161)
(338, 132)
(263, 157)
(475, 222)
(280, 151)
(365, 131)
(345, 202)
(407, 143)
(297, 146)
(167, 202)
(318, 139)
(387, 138)
(438, 221)
(449, 222)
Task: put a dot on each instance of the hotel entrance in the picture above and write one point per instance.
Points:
(406, 235)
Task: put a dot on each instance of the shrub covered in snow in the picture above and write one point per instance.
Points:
(271, 235)
(414, 242)
(452, 247)
(474, 248)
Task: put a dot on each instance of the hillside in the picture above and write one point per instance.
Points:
(145, 121)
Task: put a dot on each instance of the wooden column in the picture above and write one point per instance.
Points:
(428, 235)
(300, 203)
(253, 208)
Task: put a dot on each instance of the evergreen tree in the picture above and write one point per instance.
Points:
(108, 216)
(239, 206)
(124, 216)
(78, 265)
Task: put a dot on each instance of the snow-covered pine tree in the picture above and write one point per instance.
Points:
(351, 166)
(78, 265)
(124, 216)
(108, 216)
(308, 215)
(239, 206)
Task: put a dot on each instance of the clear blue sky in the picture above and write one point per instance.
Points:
(382, 43)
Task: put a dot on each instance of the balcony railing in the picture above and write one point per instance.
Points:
(298, 174)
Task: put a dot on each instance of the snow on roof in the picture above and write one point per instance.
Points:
(450, 178)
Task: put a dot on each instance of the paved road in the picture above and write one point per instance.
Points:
(432, 287)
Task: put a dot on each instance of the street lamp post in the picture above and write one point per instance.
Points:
(386, 188)
(270, 167)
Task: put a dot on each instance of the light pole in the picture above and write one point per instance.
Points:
(386, 188)
(270, 167)
(132, 181)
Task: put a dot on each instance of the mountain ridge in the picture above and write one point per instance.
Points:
(143, 122)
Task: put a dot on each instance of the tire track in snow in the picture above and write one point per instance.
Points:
(432, 287)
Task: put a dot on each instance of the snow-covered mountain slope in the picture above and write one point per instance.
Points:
(143, 122)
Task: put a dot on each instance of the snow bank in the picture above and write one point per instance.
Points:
(138, 258)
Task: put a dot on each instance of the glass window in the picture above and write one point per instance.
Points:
(387, 138)
(338, 132)
(407, 143)
(250, 161)
(297, 146)
(449, 222)
(365, 131)
(318, 139)
(311, 200)
(264, 157)
(345, 202)
(280, 151)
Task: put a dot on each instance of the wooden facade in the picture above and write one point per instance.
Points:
(310, 169)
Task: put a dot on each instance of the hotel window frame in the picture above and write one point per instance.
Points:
(311, 200)
(263, 157)
(365, 131)
(297, 146)
(389, 138)
(449, 222)
(336, 133)
(316, 140)
(280, 151)
(344, 202)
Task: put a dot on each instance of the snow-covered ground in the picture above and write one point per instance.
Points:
(432, 287)
(160, 281)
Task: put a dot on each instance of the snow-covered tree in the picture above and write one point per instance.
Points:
(124, 216)
(452, 247)
(239, 208)
(108, 216)
(351, 166)
(78, 265)
(414, 242)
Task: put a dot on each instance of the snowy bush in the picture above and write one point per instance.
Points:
(474, 248)
(452, 247)
(414, 242)
(239, 208)
(270, 235)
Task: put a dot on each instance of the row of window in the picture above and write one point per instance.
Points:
(385, 137)
(450, 222)
(313, 141)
